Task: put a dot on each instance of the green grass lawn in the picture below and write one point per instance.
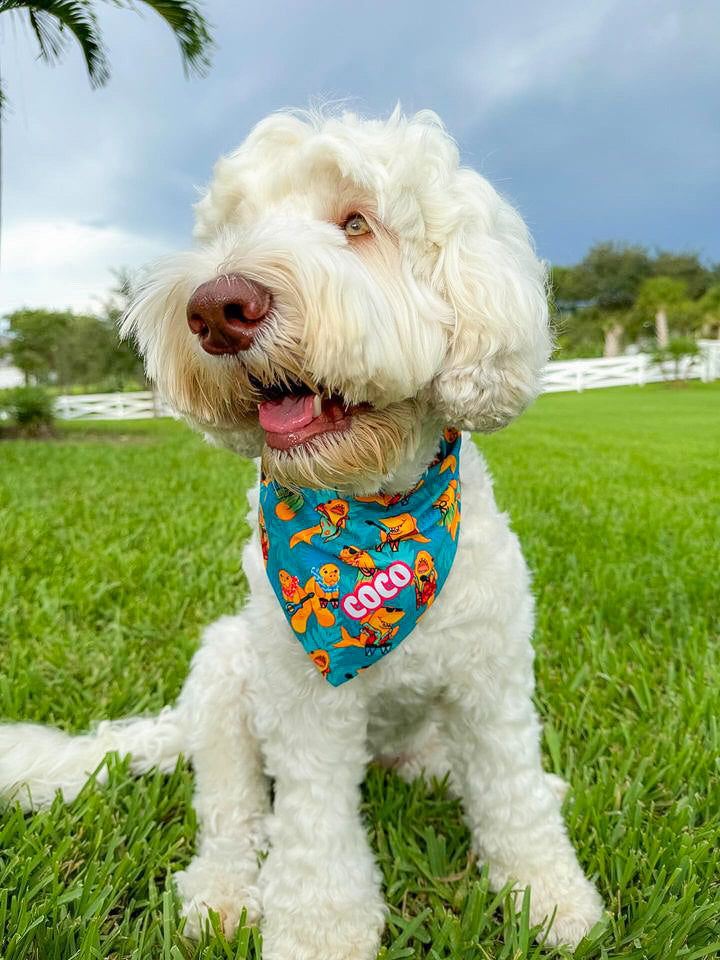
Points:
(119, 542)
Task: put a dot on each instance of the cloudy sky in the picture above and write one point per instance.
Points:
(599, 119)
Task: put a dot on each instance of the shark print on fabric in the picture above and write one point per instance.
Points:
(355, 575)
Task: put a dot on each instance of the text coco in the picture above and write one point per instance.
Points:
(385, 585)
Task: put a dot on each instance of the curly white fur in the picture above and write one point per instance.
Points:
(440, 319)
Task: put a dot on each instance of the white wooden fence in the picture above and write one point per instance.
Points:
(559, 376)
(111, 406)
(637, 370)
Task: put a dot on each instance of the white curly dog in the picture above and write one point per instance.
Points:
(355, 263)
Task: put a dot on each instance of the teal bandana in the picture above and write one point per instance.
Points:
(354, 575)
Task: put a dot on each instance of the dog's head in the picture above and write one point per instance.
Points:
(352, 291)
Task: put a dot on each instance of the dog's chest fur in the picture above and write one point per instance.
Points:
(488, 583)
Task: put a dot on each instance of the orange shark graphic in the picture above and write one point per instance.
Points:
(264, 542)
(321, 659)
(376, 631)
(393, 530)
(449, 507)
(425, 579)
(392, 499)
(361, 559)
(333, 519)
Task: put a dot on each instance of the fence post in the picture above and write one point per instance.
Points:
(705, 363)
(710, 354)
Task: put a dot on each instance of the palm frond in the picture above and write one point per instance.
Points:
(48, 33)
(189, 26)
(49, 19)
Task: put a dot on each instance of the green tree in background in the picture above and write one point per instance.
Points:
(621, 294)
(612, 274)
(686, 267)
(708, 312)
(125, 364)
(35, 342)
(602, 288)
(67, 350)
(658, 298)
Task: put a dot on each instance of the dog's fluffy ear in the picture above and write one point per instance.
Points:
(488, 272)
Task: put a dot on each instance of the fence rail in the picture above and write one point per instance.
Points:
(559, 376)
(111, 406)
(637, 370)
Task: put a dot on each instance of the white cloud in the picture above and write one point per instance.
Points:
(569, 107)
(63, 264)
(537, 50)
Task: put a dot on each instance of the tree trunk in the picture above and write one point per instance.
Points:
(661, 328)
(612, 340)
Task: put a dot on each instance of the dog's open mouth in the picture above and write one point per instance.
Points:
(292, 415)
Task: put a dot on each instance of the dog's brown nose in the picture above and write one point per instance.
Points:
(225, 313)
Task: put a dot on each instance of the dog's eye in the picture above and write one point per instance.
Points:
(356, 225)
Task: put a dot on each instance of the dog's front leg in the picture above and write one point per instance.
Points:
(511, 804)
(231, 792)
(321, 886)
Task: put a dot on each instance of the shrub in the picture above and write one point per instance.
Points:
(675, 358)
(31, 409)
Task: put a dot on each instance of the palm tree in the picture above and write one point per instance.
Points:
(54, 22)
(657, 298)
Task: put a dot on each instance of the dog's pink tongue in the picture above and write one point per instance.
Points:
(287, 414)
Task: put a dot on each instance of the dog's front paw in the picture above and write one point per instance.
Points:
(574, 901)
(207, 885)
(325, 934)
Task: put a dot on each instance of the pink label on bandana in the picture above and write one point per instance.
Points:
(385, 585)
